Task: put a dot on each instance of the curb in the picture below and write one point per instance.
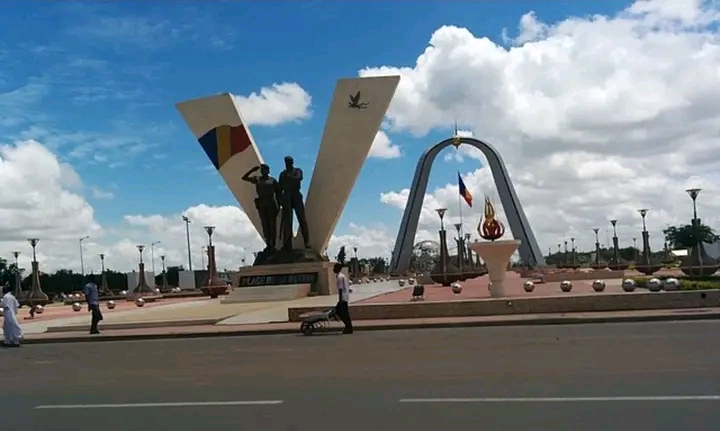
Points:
(135, 325)
(388, 327)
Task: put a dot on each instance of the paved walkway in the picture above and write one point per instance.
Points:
(167, 310)
(294, 328)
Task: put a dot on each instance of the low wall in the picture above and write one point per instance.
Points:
(544, 305)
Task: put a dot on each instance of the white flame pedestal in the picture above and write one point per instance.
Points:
(496, 255)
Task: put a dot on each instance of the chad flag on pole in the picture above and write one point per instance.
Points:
(464, 192)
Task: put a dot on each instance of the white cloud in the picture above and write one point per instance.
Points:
(277, 104)
(383, 148)
(101, 194)
(39, 199)
(596, 117)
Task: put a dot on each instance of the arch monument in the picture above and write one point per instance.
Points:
(529, 250)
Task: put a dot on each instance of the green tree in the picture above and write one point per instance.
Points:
(687, 236)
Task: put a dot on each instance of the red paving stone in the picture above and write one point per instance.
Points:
(478, 289)
(265, 328)
(58, 311)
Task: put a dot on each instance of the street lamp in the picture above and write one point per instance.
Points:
(693, 195)
(82, 263)
(18, 288)
(152, 254)
(187, 235)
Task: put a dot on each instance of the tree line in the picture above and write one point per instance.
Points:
(66, 281)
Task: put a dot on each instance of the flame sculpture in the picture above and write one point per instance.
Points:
(490, 228)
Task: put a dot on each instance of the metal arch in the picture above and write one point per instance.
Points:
(529, 250)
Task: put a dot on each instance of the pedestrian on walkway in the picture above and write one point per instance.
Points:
(12, 331)
(93, 300)
(342, 309)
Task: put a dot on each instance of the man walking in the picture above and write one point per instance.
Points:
(91, 296)
(341, 309)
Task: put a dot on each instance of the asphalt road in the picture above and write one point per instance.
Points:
(645, 376)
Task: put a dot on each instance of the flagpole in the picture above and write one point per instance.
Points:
(460, 198)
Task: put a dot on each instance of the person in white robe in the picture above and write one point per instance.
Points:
(12, 331)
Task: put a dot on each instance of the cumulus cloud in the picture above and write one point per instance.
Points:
(277, 104)
(596, 117)
(383, 148)
(40, 199)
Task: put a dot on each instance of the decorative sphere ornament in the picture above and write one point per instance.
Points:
(123, 292)
(598, 285)
(456, 287)
(566, 286)
(157, 290)
(401, 283)
(39, 309)
(76, 306)
(139, 302)
(529, 286)
(111, 305)
(654, 285)
(671, 284)
(411, 281)
(628, 285)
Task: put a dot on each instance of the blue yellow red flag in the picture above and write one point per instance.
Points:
(464, 192)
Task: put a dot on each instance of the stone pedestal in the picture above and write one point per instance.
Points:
(282, 282)
(36, 296)
(213, 285)
(142, 288)
(496, 255)
(104, 288)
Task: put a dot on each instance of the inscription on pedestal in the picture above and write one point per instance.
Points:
(278, 279)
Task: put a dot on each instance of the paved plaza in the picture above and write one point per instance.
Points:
(178, 310)
(658, 376)
(477, 288)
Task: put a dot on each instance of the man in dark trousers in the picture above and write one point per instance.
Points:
(93, 301)
(341, 309)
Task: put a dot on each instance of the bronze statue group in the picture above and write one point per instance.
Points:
(283, 196)
(279, 196)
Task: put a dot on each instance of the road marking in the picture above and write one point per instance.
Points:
(561, 399)
(140, 405)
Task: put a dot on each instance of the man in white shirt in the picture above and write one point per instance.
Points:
(341, 309)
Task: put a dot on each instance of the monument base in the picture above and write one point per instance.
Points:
(283, 257)
(287, 292)
(304, 279)
(496, 255)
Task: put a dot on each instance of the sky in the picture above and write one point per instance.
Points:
(598, 109)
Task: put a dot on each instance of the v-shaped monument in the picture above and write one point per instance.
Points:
(292, 267)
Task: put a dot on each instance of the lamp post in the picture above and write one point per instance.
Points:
(460, 246)
(597, 246)
(82, 263)
(152, 254)
(164, 274)
(443, 242)
(18, 284)
(212, 285)
(187, 236)
(693, 195)
(36, 296)
(104, 289)
(203, 250)
(142, 287)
